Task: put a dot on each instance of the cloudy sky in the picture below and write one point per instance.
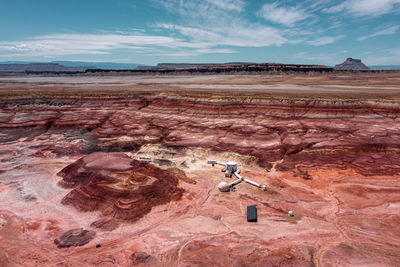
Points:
(153, 31)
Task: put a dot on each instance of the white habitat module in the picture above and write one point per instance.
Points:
(264, 188)
(231, 168)
(252, 183)
(212, 162)
(224, 187)
(145, 159)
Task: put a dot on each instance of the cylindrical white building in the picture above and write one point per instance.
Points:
(231, 166)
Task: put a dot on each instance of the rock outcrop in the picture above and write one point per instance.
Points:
(74, 238)
(352, 64)
(118, 186)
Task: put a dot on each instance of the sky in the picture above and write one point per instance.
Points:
(201, 31)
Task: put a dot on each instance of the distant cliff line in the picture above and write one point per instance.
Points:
(225, 68)
(201, 69)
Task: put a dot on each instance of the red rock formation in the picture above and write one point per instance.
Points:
(75, 237)
(118, 186)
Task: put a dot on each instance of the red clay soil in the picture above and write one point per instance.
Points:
(105, 224)
(335, 164)
(140, 257)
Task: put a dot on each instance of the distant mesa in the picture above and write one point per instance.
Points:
(352, 64)
(22, 67)
(194, 65)
(16, 66)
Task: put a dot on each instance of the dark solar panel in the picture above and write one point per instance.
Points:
(252, 213)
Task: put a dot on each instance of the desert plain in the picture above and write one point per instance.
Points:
(73, 191)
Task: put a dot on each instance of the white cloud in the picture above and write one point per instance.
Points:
(196, 52)
(317, 4)
(236, 5)
(76, 44)
(204, 11)
(239, 35)
(361, 8)
(334, 9)
(219, 22)
(99, 44)
(282, 15)
(388, 31)
(207, 25)
(210, 26)
(180, 5)
(325, 40)
(211, 23)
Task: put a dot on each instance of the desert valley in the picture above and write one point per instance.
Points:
(74, 192)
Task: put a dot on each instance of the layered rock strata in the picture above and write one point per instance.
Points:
(335, 164)
(300, 136)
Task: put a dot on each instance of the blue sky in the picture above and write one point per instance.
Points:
(203, 31)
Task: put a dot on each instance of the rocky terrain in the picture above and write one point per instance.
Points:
(71, 177)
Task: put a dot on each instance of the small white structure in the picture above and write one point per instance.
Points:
(224, 187)
(231, 168)
(145, 159)
(264, 188)
(236, 182)
(212, 162)
(291, 213)
(252, 183)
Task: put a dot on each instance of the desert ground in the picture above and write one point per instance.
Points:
(73, 191)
